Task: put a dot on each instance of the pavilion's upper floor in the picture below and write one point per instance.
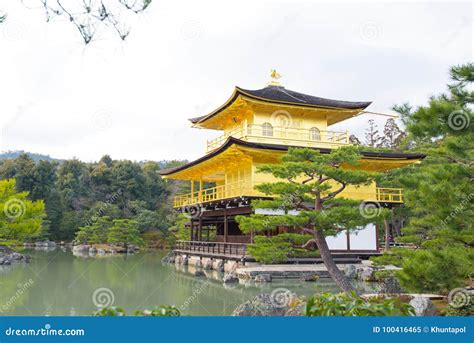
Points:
(277, 115)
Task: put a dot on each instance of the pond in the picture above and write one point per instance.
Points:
(57, 283)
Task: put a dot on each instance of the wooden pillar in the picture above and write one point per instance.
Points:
(208, 229)
(200, 229)
(348, 237)
(200, 189)
(191, 229)
(386, 228)
(226, 227)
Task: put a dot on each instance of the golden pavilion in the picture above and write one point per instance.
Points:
(257, 127)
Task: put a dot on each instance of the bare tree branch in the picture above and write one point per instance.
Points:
(89, 16)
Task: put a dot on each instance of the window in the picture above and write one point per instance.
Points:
(314, 134)
(267, 129)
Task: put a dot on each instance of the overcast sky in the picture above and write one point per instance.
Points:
(131, 100)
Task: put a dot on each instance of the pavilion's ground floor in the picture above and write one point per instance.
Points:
(215, 234)
(219, 225)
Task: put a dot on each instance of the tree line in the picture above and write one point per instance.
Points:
(77, 194)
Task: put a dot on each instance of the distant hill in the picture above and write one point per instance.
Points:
(34, 156)
(40, 157)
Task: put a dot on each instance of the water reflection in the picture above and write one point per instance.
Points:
(63, 284)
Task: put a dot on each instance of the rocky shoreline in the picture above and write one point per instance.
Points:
(282, 302)
(103, 249)
(8, 257)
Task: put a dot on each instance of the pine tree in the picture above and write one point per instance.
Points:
(392, 135)
(439, 192)
(310, 183)
(372, 138)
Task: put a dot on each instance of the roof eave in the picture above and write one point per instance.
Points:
(231, 140)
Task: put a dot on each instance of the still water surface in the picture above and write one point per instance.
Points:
(58, 283)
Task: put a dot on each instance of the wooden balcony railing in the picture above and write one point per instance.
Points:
(246, 188)
(226, 191)
(282, 135)
(212, 248)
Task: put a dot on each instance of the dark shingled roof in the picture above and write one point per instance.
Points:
(281, 95)
(231, 140)
(285, 95)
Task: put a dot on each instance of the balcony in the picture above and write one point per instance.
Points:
(246, 188)
(230, 190)
(267, 133)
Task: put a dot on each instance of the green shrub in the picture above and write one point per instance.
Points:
(436, 270)
(160, 311)
(393, 257)
(112, 231)
(430, 270)
(383, 274)
(277, 249)
(344, 304)
(109, 312)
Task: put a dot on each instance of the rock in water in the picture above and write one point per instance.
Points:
(220, 266)
(263, 278)
(367, 274)
(391, 285)
(5, 261)
(423, 306)
(230, 278)
(81, 248)
(261, 305)
(7, 258)
(16, 256)
(45, 244)
(185, 261)
(199, 273)
(350, 271)
(208, 265)
(170, 258)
